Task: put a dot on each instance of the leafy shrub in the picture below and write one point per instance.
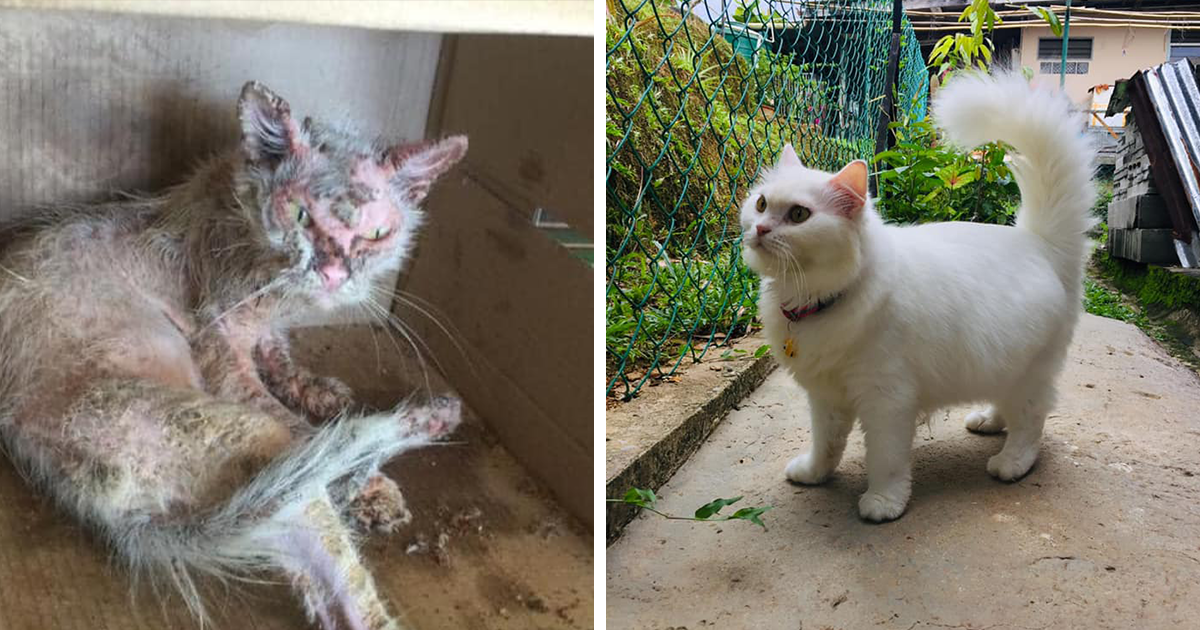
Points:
(922, 180)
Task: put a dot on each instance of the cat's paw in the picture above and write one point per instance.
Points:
(380, 506)
(984, 421)
(1010, 466)
(802, 469)
(437, 418)
(325, 397)
(882, 506)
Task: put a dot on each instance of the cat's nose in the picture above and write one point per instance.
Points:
(333, 274)
(762, 230)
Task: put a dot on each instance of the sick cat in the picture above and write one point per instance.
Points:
(145, 377)
(887, 324)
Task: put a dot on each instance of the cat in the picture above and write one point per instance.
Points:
(146, 382)
(886, 323)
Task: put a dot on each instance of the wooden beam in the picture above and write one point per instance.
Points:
(541, 17)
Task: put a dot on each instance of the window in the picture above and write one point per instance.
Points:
(1184, 45)
(1077, 49)
(1073, 67)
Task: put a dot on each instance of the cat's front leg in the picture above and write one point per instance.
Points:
(318, 397)
(831, 423)
(888, 436)
(223, 352)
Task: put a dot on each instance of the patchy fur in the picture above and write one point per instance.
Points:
(145, 378)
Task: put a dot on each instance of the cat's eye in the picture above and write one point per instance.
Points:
(378, 233)
(798, 214)
(761, 204)
(299, 214)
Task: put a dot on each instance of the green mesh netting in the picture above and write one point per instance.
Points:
(700, 97)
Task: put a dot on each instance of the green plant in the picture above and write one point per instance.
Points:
(1104, 189)
(709, 512)
(750, 12)
(1098, 300)
(1051, 19)
(1154, 287)
(690, 124)
(961, 50)
(921, 179)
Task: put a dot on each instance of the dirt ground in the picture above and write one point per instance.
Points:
(487, 549)
(1103, 533)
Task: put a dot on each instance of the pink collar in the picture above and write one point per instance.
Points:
(812, 308)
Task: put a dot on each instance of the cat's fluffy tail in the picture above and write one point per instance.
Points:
(1055, 162)
(250, 534)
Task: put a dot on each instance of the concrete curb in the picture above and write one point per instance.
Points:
(681, 436)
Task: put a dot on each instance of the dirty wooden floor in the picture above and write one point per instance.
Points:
(487, 549)
(1103, 533)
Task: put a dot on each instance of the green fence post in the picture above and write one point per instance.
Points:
(1062, 69)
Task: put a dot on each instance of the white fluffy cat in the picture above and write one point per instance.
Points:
(886, 323)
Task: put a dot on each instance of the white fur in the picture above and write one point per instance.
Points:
(932, 315)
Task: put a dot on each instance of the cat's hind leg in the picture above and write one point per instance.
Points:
(1024, 410)
(1026, 418)
(831, 424)
(325, 569)
(985, 421)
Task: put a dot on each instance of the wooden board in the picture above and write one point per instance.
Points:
(546, 17)
(513, 560)
(516, 306)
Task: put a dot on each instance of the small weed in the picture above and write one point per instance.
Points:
(709, 512)
(1098, 300)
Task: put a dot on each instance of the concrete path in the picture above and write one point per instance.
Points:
(1103, 533)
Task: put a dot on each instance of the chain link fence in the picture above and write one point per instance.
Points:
(700, 97)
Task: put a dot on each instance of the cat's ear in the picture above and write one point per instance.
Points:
(850, 187)
(269, 133)
(418, 165)
(788, 156)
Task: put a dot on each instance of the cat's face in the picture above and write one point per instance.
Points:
(801, 225)
(343, 210)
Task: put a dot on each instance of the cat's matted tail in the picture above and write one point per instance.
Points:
(1055, 162)
(277, 520)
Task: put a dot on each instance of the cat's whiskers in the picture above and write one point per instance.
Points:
(453, 335)
(15, 274)
(400, 323)
(376, 322)
(387, 318)
(791, 263)
(279, 280)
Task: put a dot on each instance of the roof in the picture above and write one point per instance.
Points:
(1164, 100)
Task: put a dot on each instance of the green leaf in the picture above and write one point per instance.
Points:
(885, 155)
(1050, 18)
(709, 509)
(762, 350)
(962, 180)
(640, 497)
(750, 514)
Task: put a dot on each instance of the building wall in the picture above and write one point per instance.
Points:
(1116, 54)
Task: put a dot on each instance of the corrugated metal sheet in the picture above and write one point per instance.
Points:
(1168, 94)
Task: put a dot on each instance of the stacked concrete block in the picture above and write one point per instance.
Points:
(1139, 227)
(1131, 172)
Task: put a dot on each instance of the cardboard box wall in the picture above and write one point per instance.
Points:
(92, 103)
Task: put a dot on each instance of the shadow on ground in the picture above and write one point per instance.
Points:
(1103, 533)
